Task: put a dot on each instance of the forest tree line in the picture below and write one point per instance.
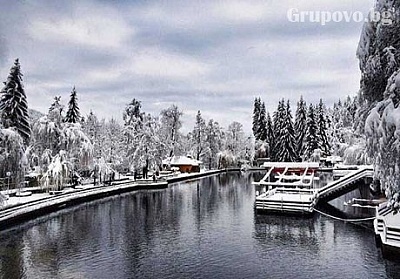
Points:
(62, 141)
(280, 139)
(362, 129)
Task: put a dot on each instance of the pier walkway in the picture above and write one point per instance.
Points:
(302, 198)
(344, 184)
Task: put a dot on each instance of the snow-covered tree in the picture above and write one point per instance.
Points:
(278, 119)
(226, 159)
(300, 126)
(58, 172)
(323, 142)
(286, 152)
(311, 133)
(199, 136)
(15, 131)
(133, 116)
(270, 135)
(133, 126)
(73, 115)
(262, 128)
(383, 139)
(391, 58)
(355, 153)
(170, 126)
(378, 54)
(14, 105)
(348, 111)
(59, 148)
(149, 144)
(256, 118)
(236, 142)
(78, 147)
(12, 155)
(379, 96)
(338, 132)
(94, 129)
(344, 129)
(261, 149)
(113, 149)
(56, 110)
(214, 140)
(46, 136)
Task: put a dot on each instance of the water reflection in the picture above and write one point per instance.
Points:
(200, 229)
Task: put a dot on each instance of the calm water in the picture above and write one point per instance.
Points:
(202, 229)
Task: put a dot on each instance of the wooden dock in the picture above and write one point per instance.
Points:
(292, 198)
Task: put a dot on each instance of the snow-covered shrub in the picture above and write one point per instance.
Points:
(226, 159)
(78, 146)
(382, 129)
(12, 154)
(356, 154)
(57, 172)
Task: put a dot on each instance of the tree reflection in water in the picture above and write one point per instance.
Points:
(199, 229)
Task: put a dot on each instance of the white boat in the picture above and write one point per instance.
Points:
(288, 188)
(387, 230)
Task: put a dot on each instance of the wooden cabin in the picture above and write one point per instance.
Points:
(184, 163)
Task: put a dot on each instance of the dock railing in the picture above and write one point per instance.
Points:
(362, 172)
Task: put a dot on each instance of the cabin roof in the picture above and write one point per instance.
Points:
(180, 160)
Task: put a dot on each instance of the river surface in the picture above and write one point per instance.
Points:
(201, 229)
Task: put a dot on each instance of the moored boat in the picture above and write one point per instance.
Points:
(387, 230)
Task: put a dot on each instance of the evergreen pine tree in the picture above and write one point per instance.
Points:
(73, 115)
(262, 123)
(270, 135)
(300, 127)
(13, 104)
(287, 151)
(311, 134)
(323, 143)
(279, 116)
(256, 117)
(55, 110)
(199, 136)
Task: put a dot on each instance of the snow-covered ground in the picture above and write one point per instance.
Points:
(19, 206)
(12, 201)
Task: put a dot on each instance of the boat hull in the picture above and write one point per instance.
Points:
(387, 232)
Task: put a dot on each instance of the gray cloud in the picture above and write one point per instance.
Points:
(215, 56)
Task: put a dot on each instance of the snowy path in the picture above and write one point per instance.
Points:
(21, 208)
(17, 209)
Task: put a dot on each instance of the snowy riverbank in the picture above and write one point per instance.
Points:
(19, 208)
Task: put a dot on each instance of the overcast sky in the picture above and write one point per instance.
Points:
(213, 56)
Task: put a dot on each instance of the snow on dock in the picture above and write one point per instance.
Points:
(345, 183)
(300, 195)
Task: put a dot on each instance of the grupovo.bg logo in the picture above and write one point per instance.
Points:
(324, 17)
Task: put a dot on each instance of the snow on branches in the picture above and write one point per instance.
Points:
(382, 129)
